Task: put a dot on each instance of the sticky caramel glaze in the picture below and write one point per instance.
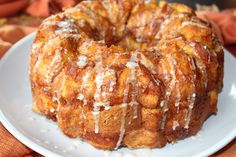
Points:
(126, 73)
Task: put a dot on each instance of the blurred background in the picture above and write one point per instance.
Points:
(222, 4)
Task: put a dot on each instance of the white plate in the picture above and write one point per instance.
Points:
(43, 136)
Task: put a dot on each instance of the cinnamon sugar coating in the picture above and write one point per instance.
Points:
(126, 73)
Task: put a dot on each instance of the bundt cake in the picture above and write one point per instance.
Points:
(133, 73)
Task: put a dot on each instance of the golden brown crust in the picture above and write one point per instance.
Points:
(126, 73)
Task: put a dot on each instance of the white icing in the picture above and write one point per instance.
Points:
(132, 79)
(135, 104)
(217, 50)
(178, 98)
(104, 94)
(83, 114)
(175, 125)
(203, 70)
(35, 47)
(82, 61)
(52, 110)
(201, 64)
(147, 63)
(192, 64)
(99, 82)
(140, 39)
(66, 27)
(191, 23)
(147, 1)
(105, 103)
(193, 44)
(107, 107)
(84, 47)
(124, 110)
(168, 20)
(96, 121)
(122, 128)
(55, 99)
(53, 65)
(112, 84)
(80, 96)
(49, 21)
(192, 97)
(63, 24)
(209, 53)
(178, 95)
(100, 98)
(85, 77)
(163, 122)
(166, 76)
(113, 79)
(151, 26)
(141, 23)
(117, 55)
(164, 103)
(131, 64)
(155, 80)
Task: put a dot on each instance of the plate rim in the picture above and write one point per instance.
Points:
(46, 152)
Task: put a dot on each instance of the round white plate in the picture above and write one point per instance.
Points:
(43, 136)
